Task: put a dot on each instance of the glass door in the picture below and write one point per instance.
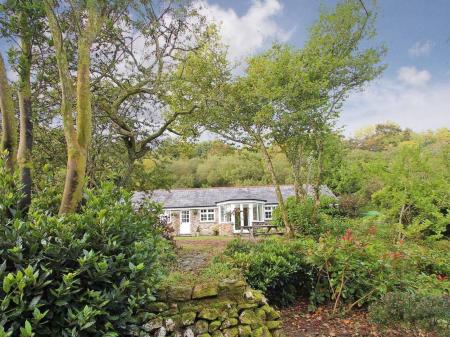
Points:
(185, 222)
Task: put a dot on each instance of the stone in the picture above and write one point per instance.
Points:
(169, 324)
(201, 326)
(214, 325)
(247, 305)
(271, 313)
(177, 334)
(188, 333)
(209, 314)
(161, 332)
(259, 297)
(217, 333)
(153, 324)
(245, 330)
(231, 332)
(232, 288)
(233, 312)
(229, 322)
(205, 335)
(179, 293)
(259, 332)
(161, 294)
(261, 314)
(272, 325)
(205, 290)
(188, 318)
(157, 307)
(248, 317)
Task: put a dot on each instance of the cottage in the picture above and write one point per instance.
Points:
(218, 210)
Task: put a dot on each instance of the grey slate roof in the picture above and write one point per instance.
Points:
(209, 197)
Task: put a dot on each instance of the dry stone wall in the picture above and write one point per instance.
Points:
(218, 309)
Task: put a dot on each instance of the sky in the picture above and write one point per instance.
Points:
(413, 92)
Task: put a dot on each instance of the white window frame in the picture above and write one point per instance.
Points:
(269, 209)
(185, 211)
(168, 216)
(208, 212)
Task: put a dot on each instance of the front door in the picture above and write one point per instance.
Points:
(185, 223)
(241, 218)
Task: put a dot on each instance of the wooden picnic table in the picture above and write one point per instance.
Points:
(261, 228)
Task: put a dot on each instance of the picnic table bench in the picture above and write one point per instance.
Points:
(261, 228)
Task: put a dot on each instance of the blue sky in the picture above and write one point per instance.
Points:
(414, 91)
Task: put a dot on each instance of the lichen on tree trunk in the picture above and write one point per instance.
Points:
(9, 132)
(77, 138)
(25, 110)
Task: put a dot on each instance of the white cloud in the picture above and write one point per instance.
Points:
(418, 108)
(247, 33)
(413, 77)
(421, 48)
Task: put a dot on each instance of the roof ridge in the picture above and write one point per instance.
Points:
(216, 187)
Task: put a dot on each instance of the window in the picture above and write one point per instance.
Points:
(225, 213)
(207, 214)
(168, 216)
(185, 217)
(268, 210)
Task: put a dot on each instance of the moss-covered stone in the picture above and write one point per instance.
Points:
(169, 324)
(272, 325)
(261, 332)
(161, 294)
(201, 326)
(233, 312)
(189, 306)
(153, 324)
(271, 313)
(247, 305)
(179, 293)
(244, 330)
(229, 322)
(205, 290)
(188, 318)
(214, 325)
(209, 314)
(232, 288)
(261, 314)
(217, 333)
(205, 335)
(157, 307)
(248, 317)
(231, 332)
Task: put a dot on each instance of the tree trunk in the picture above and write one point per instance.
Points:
(317, 184)
(77, 139)
(290, 231)
(26, 124)
(9, 132)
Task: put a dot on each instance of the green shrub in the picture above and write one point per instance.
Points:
(300, 214)
(85, 274)
(413, 310)
(275, 266)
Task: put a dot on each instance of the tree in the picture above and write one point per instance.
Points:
(22, 20)
(9, 133)
(154, 70)
(77, 135)
(317, 79)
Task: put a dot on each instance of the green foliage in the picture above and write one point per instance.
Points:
(86, 274)
(300, 214)
(424, 311)
(275, 266)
